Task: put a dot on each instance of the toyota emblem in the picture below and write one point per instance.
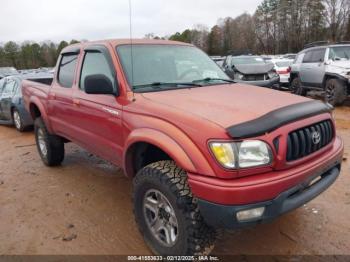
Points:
(316, 137)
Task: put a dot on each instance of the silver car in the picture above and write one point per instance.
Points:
(324, 68)
(251, 70)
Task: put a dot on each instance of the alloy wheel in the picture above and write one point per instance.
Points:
(160, 217)
(17, 120)
(42, 143)
(330, 93)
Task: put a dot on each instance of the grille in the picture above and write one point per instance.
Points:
(258, 77)
(310, 139)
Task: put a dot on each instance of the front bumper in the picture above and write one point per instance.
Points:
(271, 83)
(224, 216)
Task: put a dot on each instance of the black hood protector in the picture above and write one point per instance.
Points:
(277, 118)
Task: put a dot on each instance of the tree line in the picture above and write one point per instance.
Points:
(276, 27)
(29, 55)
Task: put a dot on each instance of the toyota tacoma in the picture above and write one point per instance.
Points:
(203, 151)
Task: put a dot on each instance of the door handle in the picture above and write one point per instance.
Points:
(76, 102)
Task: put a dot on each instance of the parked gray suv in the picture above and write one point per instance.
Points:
(323, 68)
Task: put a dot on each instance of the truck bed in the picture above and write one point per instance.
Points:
(37, 89)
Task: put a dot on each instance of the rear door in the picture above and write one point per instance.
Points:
(6, 98)
(60, 101)
(97, 118)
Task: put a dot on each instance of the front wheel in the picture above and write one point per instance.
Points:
(167, 214)
(335, 93)
(50, 147)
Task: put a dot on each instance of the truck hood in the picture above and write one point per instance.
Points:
(254, 68)
(341, 64)
(225, 105)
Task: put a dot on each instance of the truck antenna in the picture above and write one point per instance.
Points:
(131, 52)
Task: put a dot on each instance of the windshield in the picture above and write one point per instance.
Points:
(167, 64)
(247, 60)
(339, 53)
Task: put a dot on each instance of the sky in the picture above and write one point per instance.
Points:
(42, 20)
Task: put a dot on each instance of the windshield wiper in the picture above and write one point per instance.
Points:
(157, 85)
(209, 79)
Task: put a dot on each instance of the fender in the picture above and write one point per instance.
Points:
(36, 101)
(332, 76)
(173, 148)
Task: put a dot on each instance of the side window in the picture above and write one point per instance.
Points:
(318, 55)
(227, 61)
(307, 57)
(19, 89)
(66, 70)
(10, 87)
(2, 82)
(95, 63)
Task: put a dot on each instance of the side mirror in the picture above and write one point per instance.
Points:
(99, 85)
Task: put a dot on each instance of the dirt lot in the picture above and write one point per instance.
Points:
(84, 207)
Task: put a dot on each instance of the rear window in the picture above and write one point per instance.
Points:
(247, 60)
(299, 58)
(66, 70)
(2, 81)
(283, 63)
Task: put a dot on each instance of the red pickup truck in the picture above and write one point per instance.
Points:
(203, 152)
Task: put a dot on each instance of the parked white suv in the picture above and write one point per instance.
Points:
(324, 68)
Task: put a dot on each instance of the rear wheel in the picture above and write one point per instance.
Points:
(167, 214)
(17, 120)
(335, 92)
(297, 88)
(50, 147)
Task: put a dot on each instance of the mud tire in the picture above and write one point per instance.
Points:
(194, 237)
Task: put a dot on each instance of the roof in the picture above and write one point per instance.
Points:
(117, 42)
(323, 46)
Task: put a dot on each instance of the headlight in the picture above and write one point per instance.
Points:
(273, 74)
(254, 153)
(249, 153)
(238, 75)
(224, 153)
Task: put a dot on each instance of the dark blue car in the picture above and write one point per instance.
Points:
(12, 111)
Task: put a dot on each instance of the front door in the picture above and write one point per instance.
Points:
(98, 118)
(313, 68)
(6, 98)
